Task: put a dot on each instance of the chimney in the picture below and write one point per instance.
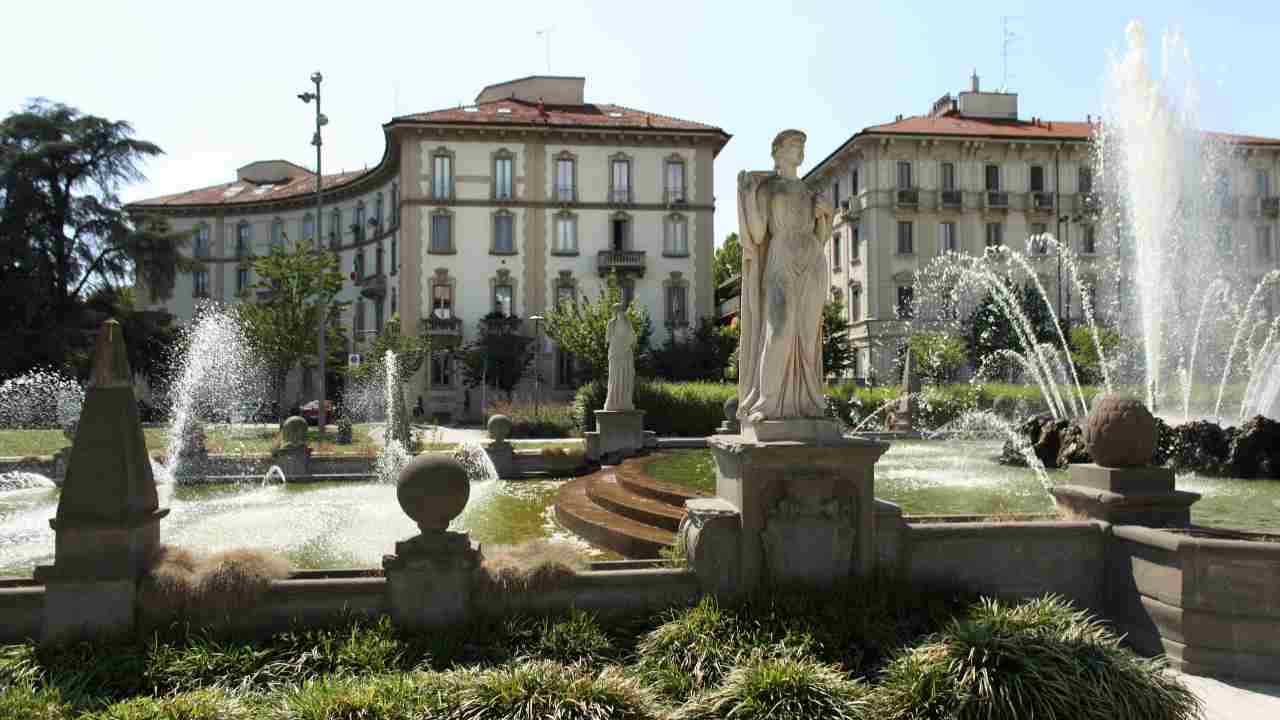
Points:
(974, 79)
(1088, 119)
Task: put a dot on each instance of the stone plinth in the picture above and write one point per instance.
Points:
(619, 434)
(1142, 495)
(293, 461)
(807, 508)
(807, 430)
(430, 578)
(712, 534)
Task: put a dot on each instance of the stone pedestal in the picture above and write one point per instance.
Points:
(1125, 496)
(503, 456)
(712, 535)
(619, 434)
(807, 508)
(292, 461)
(430, 579)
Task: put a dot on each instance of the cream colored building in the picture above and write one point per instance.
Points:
(972, 173)
(528, 196)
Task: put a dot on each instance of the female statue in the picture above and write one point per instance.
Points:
(622, 361)
(784, 227)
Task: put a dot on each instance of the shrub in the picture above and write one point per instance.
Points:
(1040, 659)
(345, 430)
(576, 637)
(768, 687)
(692, 409)
(531, 565)
(27, 701)
(541, 420)
(539, 689)
(181, 583)
(395, 697)
(938, 405)
(205, 704)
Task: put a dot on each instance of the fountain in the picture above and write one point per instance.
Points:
(41, 398)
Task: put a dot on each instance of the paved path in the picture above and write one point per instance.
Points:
(1235, 699)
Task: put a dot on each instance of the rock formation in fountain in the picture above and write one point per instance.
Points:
(784, 226)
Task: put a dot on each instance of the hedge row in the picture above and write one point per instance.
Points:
(678, 409)
(940, 404)
(543, 420)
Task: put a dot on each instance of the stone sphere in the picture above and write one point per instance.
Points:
(1120, 432)
(499, 427)
(293, 432)
(731, 408)
(433, 490)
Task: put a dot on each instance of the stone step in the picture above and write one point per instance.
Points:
(604, 490)
(632, 477)
(604, 528)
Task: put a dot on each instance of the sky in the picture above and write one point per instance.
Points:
(215, 84)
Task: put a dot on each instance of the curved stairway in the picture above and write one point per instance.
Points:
(621, 508)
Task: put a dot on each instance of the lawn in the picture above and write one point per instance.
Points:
(694, 469)
(245, 439)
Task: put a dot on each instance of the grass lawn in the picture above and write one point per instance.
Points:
(694, 469)
(249, 440)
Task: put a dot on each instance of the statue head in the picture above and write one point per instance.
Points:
(788, 149)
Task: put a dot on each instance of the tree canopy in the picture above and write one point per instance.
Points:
(837, 347)
(581, 327)
(499, 356)
(728, 260)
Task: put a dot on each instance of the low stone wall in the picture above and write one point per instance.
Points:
(21, 609)
(603, 592)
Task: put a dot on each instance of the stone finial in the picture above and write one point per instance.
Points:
(1120, 432)
(110, 358)
(499, 428)
(731, 408)
(293, 433)
(433, 490)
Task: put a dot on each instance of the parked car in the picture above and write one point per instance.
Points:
(311, 411)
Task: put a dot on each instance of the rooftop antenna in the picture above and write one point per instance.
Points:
(1008, 41)
(545, 34)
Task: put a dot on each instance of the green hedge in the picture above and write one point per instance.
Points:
(679, 409)
(941, 404)
(537, 421)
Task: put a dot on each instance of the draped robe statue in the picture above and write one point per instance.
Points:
(622, 361)
(784, 227)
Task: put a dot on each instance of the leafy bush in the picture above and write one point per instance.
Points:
(204, 704)
(938, 405)
(576, 637)
(778, 688)
(700, 353)
(541, 420)
(690, 409)
(1040, 659)
(539, 689)
(394, 697)
(937, 356)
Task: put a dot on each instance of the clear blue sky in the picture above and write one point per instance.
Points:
(215, 85)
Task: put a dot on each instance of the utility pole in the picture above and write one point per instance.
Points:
(321, 121)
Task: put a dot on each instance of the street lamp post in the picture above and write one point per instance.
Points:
(537, 360)
(321, 121)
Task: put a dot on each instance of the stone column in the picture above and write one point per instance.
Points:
(431, 575)
(107, 527)
(807, 508)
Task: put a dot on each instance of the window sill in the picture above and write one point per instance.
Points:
(450, 251)
(502, 252)
(675, 255)
(565, 253)
(905, 254)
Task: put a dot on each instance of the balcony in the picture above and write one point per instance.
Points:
(620, 261)
(373, 286)
(950, 199)
(1041, 201)
(996, 200)
(675, 196)
(907, 198)
(443, 331)
(1269, 206)
(497, 323)
(620, 196)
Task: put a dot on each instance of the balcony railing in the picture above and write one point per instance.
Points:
(1270, 205)
(442, 326)
(620, 196)
(1042, 201)
(498, 323)
(950, 198)
(565, 193)
(373, 286)
(675, 196)
(997, 200)
(621, 261)
(908, 197)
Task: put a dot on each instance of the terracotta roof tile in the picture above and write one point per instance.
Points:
(1043, 129)
(520, 112)
(240, 191)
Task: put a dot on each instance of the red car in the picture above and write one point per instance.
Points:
(311, 411)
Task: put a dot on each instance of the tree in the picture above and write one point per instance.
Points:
(411, 352)
(837, 347)
(1084, 351)
(150, 338)
(296, 289)
(937, 356)
(699, 354)
(63, 229)
(992, 330)
(728, 260)
(499, 356)
(581, 328)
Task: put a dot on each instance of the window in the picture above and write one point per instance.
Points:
(677, 310)
(948, 176)
(1224, 238)
(357, 229)
(441, 371)
(502, 185)
(277, 234)
(1039, 243)
(442, 233)
(620, 181)
(676, 236)
(504, 233)
(242, 279)
(377, 211)
(377, 267)
(565, 295)
(675, 181)
(1262, 183)
(395, 257)
(357, 264)
(904, 175)
(564, 180)
(853, 243)
(1084, 180)
(358, 320)
(395, 205)
(1264, 243)
(502, 300)
(618, 233)
(993, 178)
(442, 301)
(628, 291)
(564, 368)
(835, 193)
(947, 238)
(243, 238)
(855, 303)
(394, 295)
(1037, 178)
(200, 284)
(441, 177)
(1089, 243)
(906, 301)
(853, 184)
(335, 229)
(377, 316)
(995, 234)
(308, 228)
(566, 235)
(906, 243)
(835, 252)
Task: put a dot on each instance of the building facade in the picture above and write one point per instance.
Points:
(972, 174)
(529, 197)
